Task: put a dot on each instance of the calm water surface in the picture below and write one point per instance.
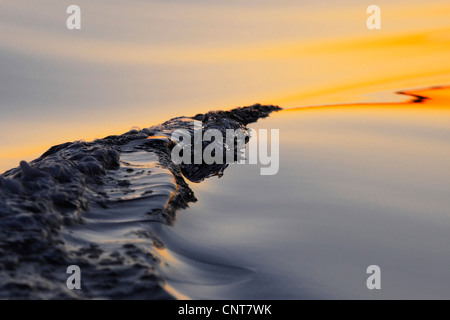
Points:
(358, 185)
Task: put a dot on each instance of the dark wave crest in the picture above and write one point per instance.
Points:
(94, 204)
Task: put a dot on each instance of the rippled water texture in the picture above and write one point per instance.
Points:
(359, 184)
(95, 205)
(364, 173)
(138, 63)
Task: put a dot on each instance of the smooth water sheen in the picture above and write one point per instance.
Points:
(358, 185)
(141, 62)
(97, 205)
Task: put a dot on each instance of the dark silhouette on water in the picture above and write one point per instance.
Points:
(54, 208)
